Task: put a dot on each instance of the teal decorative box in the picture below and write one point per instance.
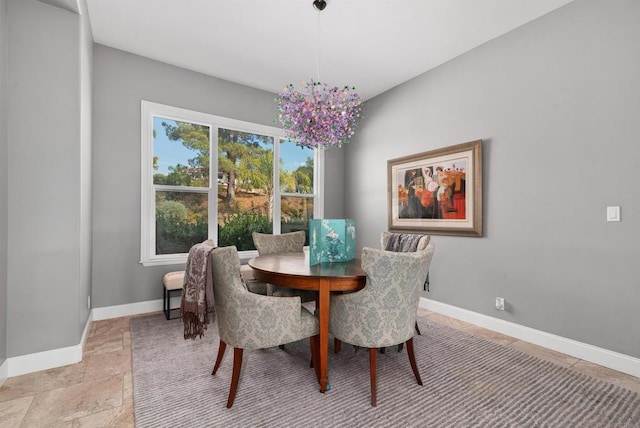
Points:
(331, 240)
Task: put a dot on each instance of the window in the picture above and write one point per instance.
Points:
(209, 177)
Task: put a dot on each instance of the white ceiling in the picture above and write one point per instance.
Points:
(373, 45)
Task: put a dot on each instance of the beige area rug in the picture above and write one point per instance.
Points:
(468, 382)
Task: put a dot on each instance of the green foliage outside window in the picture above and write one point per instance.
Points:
(245, 167)
(238, 228)
(175, 234)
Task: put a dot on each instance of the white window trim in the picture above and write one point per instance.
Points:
(147, 191)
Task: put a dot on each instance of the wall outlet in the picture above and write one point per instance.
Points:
(88, 302)
(500, 303)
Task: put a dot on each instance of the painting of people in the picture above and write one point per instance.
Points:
(434, 195)
(432, 190)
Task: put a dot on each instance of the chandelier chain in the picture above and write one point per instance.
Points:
(318, 47)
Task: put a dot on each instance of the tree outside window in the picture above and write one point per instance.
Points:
(190, 203)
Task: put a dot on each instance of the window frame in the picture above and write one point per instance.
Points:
(149, 110)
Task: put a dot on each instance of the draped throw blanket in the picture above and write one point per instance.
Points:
(197, 291)
(403, 242)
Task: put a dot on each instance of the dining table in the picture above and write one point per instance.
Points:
(293, 270)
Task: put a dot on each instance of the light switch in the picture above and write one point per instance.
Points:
(613, 213)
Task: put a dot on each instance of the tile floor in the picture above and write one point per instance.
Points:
(98, 391)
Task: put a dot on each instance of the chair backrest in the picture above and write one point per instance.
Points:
(227, 282)
(394, 281)
(291, 242)
(422, 243)
(400, 239)
(230, 297)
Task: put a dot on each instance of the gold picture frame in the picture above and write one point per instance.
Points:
(437, 192)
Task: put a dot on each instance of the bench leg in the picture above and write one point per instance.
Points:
(166, 302)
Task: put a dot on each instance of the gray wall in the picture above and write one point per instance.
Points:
(121, 81)
(46, 271)
(3, 179)
(334, 183)
(556, 103)
(86, 188)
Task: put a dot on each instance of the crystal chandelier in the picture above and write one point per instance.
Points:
(318, 115)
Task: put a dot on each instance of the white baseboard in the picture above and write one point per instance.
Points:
(45, 360)
(603, 357)
(87, 330)
(132, 309)
(23, 364)
(4, 371)
(126, 310)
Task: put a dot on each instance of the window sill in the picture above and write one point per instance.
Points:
(181, 260)
(165, 262)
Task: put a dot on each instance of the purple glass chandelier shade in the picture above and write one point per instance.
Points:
(319, 116)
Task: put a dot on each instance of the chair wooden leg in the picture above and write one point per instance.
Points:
(337, 345)
(412, 360)
(315, 354)
(235, 376)
(372, 375)
(401, 345)
(311, 360)
(221, 348)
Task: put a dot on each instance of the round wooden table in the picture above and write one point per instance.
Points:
(292, 270)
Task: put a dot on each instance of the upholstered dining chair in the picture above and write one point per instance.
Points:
(250, 321)
(292, 242)
(383, 313)
(405, 242)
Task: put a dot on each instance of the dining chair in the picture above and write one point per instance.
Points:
(400, 242)
(406, 242)
(292, 242)
(383, 313)
(251, 321)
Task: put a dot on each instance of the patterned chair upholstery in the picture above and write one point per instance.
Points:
(423, 241)
(383, 313)
(292, 242)
(250, 321)
(267, 243)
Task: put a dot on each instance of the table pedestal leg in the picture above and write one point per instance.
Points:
(323, 317)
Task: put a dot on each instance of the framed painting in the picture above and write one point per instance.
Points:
(437, 192)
